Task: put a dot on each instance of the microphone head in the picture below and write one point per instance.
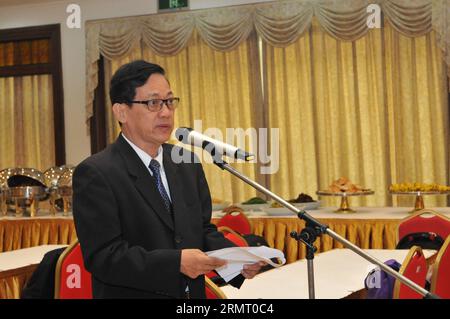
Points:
(182, 134)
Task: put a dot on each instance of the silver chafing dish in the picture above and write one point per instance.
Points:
(3, 205)
(25, 188)
(4, 174)
(64, 188)
(51, 177)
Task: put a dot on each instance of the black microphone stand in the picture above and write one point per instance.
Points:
(314, 229)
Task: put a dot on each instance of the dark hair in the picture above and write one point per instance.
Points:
(129, 77)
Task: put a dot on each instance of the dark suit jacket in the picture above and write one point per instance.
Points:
(130, 243)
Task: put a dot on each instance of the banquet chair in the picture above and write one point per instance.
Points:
(414, 267)
(426, 226)
(237, 221)
(212, 290)
(440, 278)
(233, 236)
(72, 280)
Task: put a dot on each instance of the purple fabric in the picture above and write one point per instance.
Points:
(379, 284)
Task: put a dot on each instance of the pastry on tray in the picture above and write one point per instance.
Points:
(344, 185)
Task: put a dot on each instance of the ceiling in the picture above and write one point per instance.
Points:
(4, 3)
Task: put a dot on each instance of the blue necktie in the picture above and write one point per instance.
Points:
(154, 166)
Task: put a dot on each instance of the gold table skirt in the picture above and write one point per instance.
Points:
(13, 281)
(365, 233)
(24, 233)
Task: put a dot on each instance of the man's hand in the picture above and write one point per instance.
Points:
(251, 270)
(194, 263)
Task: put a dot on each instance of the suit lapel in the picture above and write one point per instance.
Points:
(144, 182)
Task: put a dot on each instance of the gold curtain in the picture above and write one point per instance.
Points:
(26, 122)
(418, 110)
(278, 23)
(374, 110)
(215, 87)
(13, 282)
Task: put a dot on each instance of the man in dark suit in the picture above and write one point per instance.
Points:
(143, 219)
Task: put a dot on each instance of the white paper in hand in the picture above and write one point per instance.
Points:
(237, 257)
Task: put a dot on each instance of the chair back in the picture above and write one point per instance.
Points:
(440, 279)
(414, 267)
(237, 221)
(236, 239)
(72, 280)
(425, 220)
(232, 236)
(212, 290)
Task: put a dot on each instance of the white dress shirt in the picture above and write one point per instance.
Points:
(145, 158)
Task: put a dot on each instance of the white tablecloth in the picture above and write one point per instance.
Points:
(338, 273)
(24, 257)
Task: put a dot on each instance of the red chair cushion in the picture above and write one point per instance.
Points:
(416, 270)
(419, 223)
(75, 280)
(237, 240)
(442, 275)
(210, 294)
(239, 223)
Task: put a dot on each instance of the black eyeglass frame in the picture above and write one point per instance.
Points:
(170, 106)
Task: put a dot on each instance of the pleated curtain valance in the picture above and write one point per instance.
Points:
(278, 23)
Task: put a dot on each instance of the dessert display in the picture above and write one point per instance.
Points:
(344, 187)
(218, 204)
(418, 190)
(254, 204)
(418, 187)
(276, 205)
(254, 201)
(302, 201)
(302, 198)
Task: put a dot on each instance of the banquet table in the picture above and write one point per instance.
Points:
(338, 274)
(368, 228)
(16, 268)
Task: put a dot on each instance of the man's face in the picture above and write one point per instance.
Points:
(145, 127)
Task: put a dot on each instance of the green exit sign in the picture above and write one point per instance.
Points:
(165, 5)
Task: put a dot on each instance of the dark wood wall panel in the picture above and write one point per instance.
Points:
(37, 50)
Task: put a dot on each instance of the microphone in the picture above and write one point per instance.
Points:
(188, 136)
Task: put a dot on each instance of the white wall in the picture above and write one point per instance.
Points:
(73, 50)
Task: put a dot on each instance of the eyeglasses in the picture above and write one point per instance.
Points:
(156, 105)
